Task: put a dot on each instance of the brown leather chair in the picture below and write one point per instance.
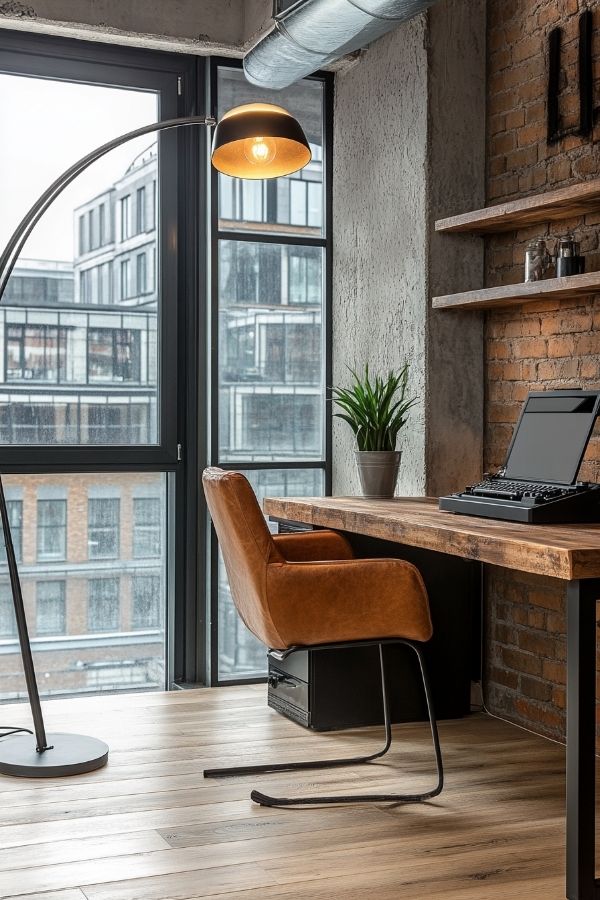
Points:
(304, 590)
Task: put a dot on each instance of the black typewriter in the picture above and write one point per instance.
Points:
(538, 481)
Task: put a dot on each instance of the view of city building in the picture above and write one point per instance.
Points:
(79, 366)
(271, 341)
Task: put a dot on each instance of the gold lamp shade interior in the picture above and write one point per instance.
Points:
(259, 140)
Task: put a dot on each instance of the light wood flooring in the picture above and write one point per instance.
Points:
(149, 827)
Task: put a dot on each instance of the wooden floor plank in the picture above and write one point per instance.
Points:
(75, 894)
(149, 827)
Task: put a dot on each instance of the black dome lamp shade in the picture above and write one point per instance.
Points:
(259, 140)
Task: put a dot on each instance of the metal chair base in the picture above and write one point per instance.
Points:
(267, 800)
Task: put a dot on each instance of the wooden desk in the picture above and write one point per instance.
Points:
(568, 552)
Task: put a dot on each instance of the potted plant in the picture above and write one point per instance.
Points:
(375, 409)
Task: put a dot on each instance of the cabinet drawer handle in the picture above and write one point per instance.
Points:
(276, 680)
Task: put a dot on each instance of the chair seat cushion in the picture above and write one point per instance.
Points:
(359, 599)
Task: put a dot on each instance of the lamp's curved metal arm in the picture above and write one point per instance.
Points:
(7, 262)
(32, 217)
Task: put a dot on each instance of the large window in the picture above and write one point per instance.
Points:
(89, 356)
(58, 325)
(272, 245)
(103, 429)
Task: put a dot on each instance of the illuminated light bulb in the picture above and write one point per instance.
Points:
(259, 150)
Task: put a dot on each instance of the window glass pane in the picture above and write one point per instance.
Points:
(125, 213)
(8, 623)
(270, 351)
(15, 516)
(140, 209)
(51, 529)
(104, 608)
(93, 576)
(285, 204)
(103, 527)
(50, 607)
(241, 655)
(147, 527)
(146, 610)
(81, 307)
(35, 352)
(113, 355)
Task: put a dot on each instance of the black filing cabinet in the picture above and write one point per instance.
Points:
(329, 689)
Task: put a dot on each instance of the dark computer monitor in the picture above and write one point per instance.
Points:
(551, 436)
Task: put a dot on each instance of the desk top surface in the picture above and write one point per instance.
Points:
(560, 551)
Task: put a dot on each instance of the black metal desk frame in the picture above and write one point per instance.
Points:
(582, 883)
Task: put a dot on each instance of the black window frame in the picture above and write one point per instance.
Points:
(247, 234)
(187, 412)
(181, 449)
(61, 58)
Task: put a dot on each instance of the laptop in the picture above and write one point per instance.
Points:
(538, 481)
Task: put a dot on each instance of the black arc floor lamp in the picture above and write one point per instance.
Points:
(255, 141)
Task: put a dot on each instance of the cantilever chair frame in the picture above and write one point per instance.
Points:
(267, 800)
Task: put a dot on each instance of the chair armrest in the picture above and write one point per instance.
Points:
(305, 546)
(358, 599)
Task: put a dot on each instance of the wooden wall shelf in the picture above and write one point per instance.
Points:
(565, 203)
(528, 292)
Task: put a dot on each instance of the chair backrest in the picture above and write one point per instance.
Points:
(247, 547)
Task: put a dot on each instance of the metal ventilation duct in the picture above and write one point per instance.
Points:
(314, 33)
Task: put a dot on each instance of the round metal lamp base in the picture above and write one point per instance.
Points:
(71, 754)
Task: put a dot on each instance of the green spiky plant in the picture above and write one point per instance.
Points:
(375, 409)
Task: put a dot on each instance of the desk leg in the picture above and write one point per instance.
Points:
(581, 739)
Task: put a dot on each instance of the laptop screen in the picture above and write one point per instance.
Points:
(551, 437)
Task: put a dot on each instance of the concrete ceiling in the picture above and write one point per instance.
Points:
(227, 27)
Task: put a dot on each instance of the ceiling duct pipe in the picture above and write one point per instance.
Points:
(314, 33)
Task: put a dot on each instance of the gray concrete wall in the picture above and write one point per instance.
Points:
(380, 233)
(408, 148)
(456, 182)
(187, 26)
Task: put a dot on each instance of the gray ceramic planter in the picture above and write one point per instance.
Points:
(378, 472)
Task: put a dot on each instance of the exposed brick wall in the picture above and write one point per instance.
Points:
(535, 346)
